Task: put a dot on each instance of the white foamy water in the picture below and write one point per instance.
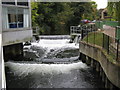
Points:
(23, 69)
(35, 74)
(47, 44)
(55, 44)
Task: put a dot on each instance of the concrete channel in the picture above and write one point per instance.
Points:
(95, 57)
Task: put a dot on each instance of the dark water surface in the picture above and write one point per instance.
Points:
(66, 71)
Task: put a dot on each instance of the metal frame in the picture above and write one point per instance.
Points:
(75, 30)
(19, 6)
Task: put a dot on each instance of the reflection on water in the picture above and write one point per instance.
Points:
(38, 74)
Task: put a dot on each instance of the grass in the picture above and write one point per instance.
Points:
(97, 39)
(94, 38)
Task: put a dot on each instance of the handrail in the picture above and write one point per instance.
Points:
(82, 29)
(75, 30)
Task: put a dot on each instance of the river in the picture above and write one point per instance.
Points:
(54, 64)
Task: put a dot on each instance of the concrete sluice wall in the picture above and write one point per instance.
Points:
(54, 37)
(109, 71)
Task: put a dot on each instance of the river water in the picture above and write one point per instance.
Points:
(54, 64)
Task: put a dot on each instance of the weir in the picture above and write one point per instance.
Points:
(66, 72)
(50, 61)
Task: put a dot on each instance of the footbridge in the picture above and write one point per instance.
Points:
(82, 30)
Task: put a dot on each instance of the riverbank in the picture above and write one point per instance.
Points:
(92, 50)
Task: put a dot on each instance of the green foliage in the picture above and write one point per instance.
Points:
(56, 18)
(34, 6)
(91, 11)
(94, 37)
(114, 10)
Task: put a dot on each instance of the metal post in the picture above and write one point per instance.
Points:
(95, 29)
(117, 50)
(87, 33)
(81, 33)
(91, 28)
(108, 45)
(103, 41)
(94, 37)
(99, 23)
(116, 31)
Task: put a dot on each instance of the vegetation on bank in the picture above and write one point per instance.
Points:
(114, 10)
(57, 17)
(94, 38)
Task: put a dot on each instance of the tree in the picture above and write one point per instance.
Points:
(114, 10)
(56, 18)
(34, 6)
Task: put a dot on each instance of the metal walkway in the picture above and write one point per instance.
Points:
(82, 30)
(75, 30)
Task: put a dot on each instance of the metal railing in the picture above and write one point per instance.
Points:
(112, 46)
(109, 44)
(82, 29)
(74, 30)
(117, 33)
(100, 24)
(35, 30)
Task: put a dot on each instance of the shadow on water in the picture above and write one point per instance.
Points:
(65, 70)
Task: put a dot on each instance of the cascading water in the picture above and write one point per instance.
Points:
(77, 39)
(54, 64)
